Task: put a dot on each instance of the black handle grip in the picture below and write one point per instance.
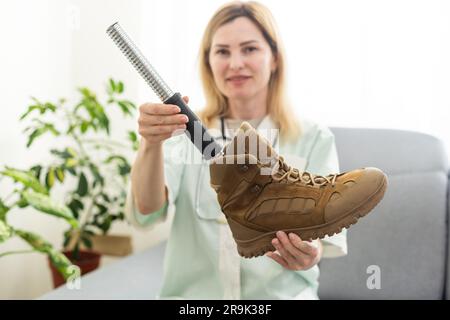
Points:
(195, 129)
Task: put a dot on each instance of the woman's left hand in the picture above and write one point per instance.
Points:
(293, 253)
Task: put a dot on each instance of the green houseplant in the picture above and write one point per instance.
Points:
(32, 193)
(89, 165)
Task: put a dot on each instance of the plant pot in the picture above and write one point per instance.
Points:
(87, 262)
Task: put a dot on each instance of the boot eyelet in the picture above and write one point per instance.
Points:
(256, 188)
(243, 168)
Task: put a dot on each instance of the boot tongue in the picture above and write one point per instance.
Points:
(248, 141)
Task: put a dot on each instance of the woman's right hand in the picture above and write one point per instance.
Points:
(159, 121)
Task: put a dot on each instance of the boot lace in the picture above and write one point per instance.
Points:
(294, 175)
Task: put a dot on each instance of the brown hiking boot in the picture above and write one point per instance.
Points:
(260, 194)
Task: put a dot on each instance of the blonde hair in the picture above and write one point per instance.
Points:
(278, 106)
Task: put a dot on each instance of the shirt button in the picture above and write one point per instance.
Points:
(256, 188)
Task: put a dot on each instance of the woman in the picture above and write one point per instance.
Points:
(242, 67)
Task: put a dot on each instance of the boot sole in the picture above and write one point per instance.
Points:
(261, 244)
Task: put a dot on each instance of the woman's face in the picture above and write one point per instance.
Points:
(241, 59)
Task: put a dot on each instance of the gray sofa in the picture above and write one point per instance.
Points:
(407, 234)
(404, 241)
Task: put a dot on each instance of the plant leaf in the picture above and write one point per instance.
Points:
(62, 154)
(71, 171)
(70, 163)
(82, 189)
(123, 166)
(34, 240)
(30, 109)
(36, 133)
(6, 231)
(84, 126)
(50, 178)
(75, 205)
(112, 85)
(132, 136)
(61, 263)
(26, 178)
(67, 238)
(42, 107)
(60, 174)
(105, 197)
(50, 106)
(72, 152)
(22, 203)
(96, 173)
(124, 107)
(130, 104)
(120, 87)
(120, 159)
(59, 260)
(45, 204)
(124, 169)
(3, 210)
(87, 242)
(101, 209)
(44, 128)
(104, 122)
(36, 170)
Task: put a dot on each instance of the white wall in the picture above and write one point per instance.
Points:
(34, 61)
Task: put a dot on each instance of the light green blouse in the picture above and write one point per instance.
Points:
(201, 260)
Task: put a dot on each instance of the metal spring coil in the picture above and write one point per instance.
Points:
(139, 62)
